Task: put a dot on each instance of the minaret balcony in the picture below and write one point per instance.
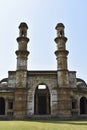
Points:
(62, 53)
(25, 39)
(22, 53)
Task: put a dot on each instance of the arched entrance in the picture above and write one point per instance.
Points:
(83, 105)
(42, 100)
(2, 106)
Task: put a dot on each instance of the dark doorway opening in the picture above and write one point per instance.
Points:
(42, 100)
(42, 104)
(2, 106)
(83, 105)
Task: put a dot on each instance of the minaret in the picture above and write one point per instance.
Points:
(20, 102)
(22, 52)
(61, 54)
(64, 98)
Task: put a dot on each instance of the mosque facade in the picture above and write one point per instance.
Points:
(56, 93)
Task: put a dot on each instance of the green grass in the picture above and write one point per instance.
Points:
(43, 125)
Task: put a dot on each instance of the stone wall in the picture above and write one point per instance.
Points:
(47, 78)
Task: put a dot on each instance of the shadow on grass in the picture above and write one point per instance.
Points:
(61, 122)
(53, 121)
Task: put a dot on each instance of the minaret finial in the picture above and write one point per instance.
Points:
(60, 30)
(23, 29)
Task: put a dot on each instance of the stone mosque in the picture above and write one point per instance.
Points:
(42, 93)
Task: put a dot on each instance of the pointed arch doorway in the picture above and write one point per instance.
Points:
(42, 100)
(83, 105)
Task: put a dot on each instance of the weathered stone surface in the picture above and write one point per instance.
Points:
(63, 96)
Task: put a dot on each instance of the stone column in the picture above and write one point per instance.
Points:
(64, 100)
(20, 103)
(61, 56)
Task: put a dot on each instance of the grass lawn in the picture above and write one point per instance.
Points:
(43, 125)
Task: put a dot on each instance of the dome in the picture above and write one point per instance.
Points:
(81, 83)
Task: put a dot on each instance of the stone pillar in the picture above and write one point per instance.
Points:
(20, 104)
(22, 52)
(64, 100)
(61, 56)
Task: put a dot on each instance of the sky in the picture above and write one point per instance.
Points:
(41, 17)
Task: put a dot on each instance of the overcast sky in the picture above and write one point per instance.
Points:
(42, 17)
